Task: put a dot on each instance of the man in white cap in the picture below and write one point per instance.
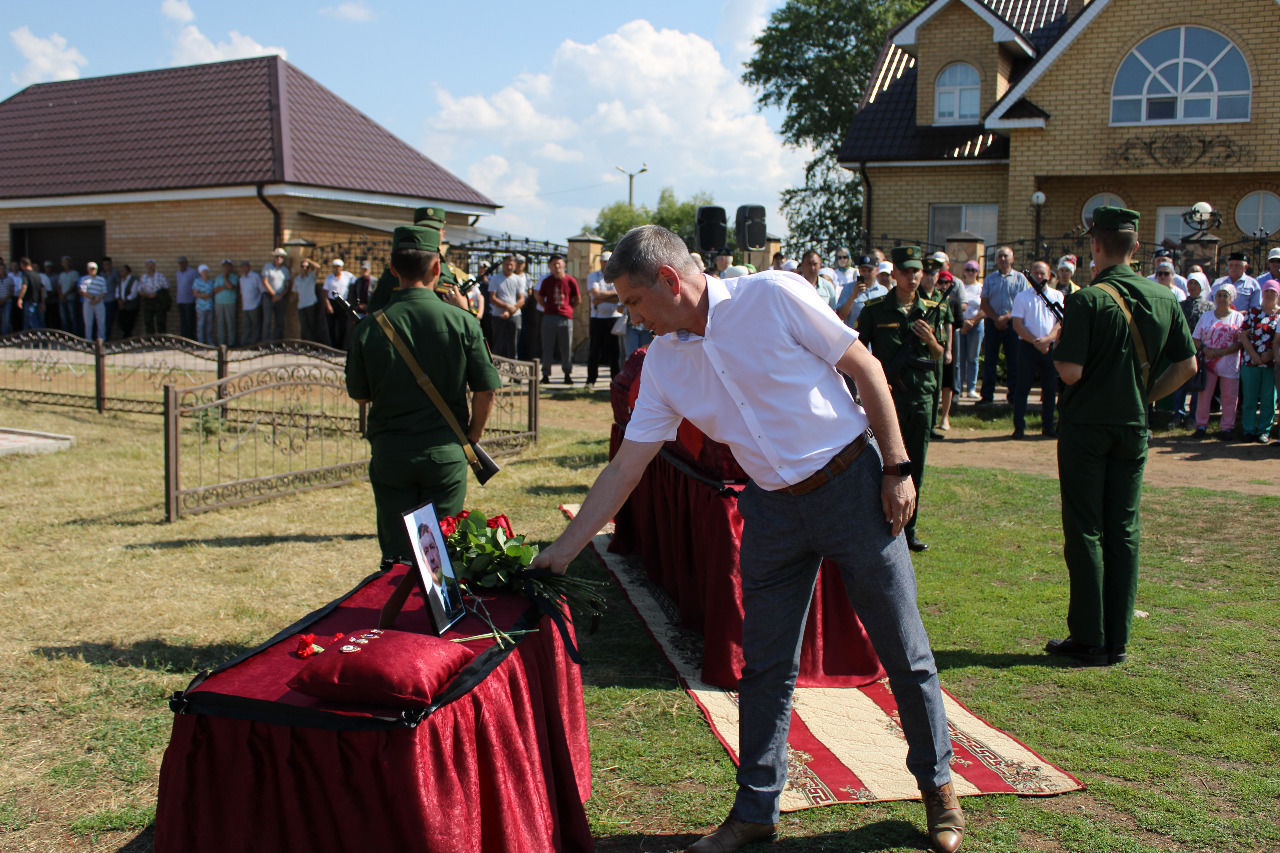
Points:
(337, 284)
(276, 280)
(93, 294)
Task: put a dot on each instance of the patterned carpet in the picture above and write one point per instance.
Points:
(846, 745)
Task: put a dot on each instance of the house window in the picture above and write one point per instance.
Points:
(955, 95)
(1170, 224)
(1099, 200)
(946, 220)
(1258, 213)
(1183, 75)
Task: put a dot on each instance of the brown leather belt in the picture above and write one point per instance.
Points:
(828, 472)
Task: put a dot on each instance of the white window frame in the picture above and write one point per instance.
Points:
(1240, 203)
(955, 92)
(1184, 93)
(964, 221)
(1171, 210)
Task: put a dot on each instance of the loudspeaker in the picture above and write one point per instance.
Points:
(749, 227)
(711, 231)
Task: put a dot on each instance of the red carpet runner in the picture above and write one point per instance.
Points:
(846, 745)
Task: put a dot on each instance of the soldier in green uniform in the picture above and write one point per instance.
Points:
(904, 332)
(447, 285)
(416, 457)
(1124, 343)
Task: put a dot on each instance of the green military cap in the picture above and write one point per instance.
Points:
(446, 273)
(432, 217)
(1107, 218)
(416, 237)
(906, 257)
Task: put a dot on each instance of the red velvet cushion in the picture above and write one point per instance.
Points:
(392, 669)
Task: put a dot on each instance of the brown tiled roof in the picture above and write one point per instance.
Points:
(885, 128)
(247, 121)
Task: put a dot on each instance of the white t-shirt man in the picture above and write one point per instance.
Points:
(250, 289)
(339, 284)
(597, 285)
(1036, 316)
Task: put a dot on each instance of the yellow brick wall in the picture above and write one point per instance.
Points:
(956, 34)
(1078, 139)
(901, 196)
(1072, 158)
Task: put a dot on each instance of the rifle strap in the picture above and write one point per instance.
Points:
(426, 385)
(1138, 345)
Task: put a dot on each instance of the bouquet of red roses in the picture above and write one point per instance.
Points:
(488, 557)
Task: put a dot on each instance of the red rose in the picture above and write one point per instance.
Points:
(448, 524)
(501, 522)
(463, 514)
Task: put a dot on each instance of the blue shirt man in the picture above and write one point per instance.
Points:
(998, 291)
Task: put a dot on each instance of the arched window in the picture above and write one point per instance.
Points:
(1182, 75)
(955, 95)
(1099, 200)
(1258, 213)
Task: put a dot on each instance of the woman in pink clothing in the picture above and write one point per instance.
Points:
(1217, 336)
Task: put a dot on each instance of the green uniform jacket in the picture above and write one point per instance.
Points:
(449, 347)
(1096, 335)
(884, 326)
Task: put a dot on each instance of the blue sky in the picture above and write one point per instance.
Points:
(534, 104)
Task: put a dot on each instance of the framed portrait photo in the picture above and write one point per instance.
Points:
(435, 573)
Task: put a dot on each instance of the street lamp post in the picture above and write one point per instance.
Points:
(1037, 201)
(631, 182)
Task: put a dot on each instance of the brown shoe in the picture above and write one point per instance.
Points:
(946, 819)
(734, 834)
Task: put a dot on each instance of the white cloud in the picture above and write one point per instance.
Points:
(177, 10)
(740, 22)
(193, 46)
(558, 153)
(352, 11)
(47, 58)
(636, 95)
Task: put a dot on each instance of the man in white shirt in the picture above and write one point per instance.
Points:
(337, 285)
(275, 284)
(250, 305)
(506, 301)
(604, 313)
(1248, 291)
(752, 362)
(1037, 325)
(153, 287)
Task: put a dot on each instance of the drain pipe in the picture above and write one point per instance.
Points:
(866, 204)
(277, 234)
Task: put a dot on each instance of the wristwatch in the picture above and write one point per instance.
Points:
(898, 469)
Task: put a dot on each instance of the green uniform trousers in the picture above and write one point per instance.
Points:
(915, 420)
(1100, 475)
(405, 475)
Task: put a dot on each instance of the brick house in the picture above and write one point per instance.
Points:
(979, 109)
(227, 159)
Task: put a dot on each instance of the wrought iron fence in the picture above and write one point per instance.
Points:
(57, 368)
(270, 431)
(288, 428)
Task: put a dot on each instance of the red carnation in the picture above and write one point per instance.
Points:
(448, 524)
(463, 514)
(501, 522)
(306, 645)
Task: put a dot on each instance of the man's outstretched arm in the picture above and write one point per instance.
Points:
(608, 493)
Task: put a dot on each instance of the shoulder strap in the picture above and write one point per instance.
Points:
(1138, 345)
(425, 383)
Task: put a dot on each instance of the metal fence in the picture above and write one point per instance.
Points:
(57, 368)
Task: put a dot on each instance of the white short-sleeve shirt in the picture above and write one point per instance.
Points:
(761, 379)
(1035, 315)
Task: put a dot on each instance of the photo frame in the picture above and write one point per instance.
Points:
(435, 574)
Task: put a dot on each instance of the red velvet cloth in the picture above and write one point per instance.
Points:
(688, 536)
(504, 768)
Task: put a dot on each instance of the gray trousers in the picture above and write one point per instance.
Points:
(784, 538)
(252, 326)
(557, 331)
(224, 320)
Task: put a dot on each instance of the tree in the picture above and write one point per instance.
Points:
(814, 60)
(678, 216)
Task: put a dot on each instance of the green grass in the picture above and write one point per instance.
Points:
(107, 610)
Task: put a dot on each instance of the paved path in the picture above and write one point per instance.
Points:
(23, 441)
